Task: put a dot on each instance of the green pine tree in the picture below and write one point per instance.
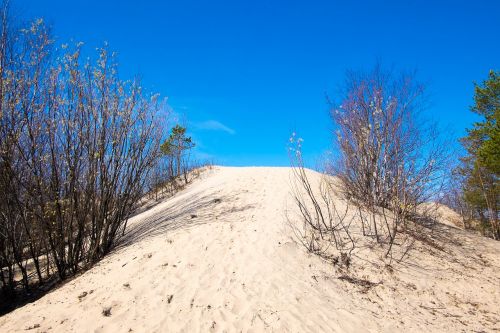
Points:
(175, 146)
(481, 166)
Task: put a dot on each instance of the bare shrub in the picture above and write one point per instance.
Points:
(77, 145)
(323, 223)
(389, 164)
(391, 160)
(163, 184)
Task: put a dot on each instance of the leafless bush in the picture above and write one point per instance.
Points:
(162, 184)
(323, 223)
(390, 163)
(391, 160)
(77, 145)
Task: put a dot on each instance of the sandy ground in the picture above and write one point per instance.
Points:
(219, 257)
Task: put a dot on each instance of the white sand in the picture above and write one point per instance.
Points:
(234, 267)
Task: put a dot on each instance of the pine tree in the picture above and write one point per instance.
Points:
(175, 146)
(481, 165)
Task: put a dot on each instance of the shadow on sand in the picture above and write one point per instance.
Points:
(198, 209)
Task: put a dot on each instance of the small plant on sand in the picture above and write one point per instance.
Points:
(106, 312)
(324, 224)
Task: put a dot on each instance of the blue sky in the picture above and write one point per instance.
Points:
(245, 74)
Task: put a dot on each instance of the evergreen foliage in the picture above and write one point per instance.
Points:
(481, 166)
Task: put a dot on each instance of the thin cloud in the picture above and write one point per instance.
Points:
(214, 125)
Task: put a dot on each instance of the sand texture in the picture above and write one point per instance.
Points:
(219, 256)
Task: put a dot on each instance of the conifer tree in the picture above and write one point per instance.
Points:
(481, 166)
(175, 146)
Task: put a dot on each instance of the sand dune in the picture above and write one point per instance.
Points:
(219, 257)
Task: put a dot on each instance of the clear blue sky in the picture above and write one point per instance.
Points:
(245, 74)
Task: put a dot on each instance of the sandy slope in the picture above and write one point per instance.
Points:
(219, 257)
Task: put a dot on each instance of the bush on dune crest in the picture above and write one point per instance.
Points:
(389, 161)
